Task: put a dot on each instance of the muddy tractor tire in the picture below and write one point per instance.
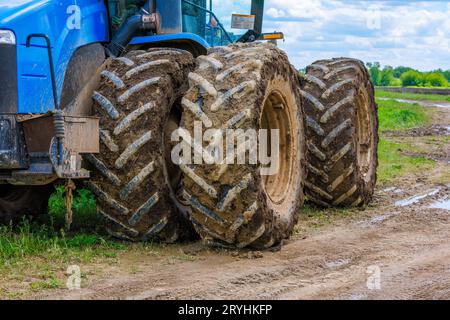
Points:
(22, 201)
(136, 100)
(243, 86)
(341, 127)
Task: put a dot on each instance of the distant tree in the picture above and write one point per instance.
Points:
(435, 79)
(373, 64)
(401, 70)
(374, 70)
(447, 75)
(386, 77)
(406, 76)
(411, 78)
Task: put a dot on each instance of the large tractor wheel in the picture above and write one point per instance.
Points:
(341, 128)
(244, 86)
(137, 102)
(21, 201)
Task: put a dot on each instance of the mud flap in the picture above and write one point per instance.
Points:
(12, 144)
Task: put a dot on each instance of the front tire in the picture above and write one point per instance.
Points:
(134, 101)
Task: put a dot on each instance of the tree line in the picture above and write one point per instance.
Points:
(407, 77)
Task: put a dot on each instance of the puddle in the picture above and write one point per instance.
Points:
(372, 222)
(443, 204)
(415, 199)
(433, 130)
(378, 219)
(421, 102)
(442, 105)
(392, 190)
(337, 263)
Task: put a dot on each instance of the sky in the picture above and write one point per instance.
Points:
(396, 32)
(408, 33)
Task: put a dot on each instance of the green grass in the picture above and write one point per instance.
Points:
(43, 249)
(35, 257)
(393, 115)
(52, 283)
(411, 96)
(28, 240)
(393, 164)
(85, 217)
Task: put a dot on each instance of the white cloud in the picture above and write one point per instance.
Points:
(413, 33)
(275, 13)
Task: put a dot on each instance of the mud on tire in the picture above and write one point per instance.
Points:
(129, 177)
(341, 128)
(245, 86)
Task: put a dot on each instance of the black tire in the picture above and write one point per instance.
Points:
(341, 126)
(134, 101)
(233, 205)
(22, 201)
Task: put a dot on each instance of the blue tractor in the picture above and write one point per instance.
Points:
(93, 91)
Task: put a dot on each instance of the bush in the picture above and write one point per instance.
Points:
(396, 82)
(435, 80)
(447, 75)
(411, 78)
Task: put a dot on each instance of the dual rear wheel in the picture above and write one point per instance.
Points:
(320, 130)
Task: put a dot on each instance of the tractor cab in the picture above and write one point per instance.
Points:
(203, 21)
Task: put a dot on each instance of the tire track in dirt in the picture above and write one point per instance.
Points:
(410, 247)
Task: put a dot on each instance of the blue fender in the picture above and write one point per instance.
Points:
(51, 18)
(188, 41)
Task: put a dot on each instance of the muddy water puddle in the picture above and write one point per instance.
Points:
(420, 102)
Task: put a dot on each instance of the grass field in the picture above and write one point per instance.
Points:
(411, 96)
(393, 115)
(36, 254)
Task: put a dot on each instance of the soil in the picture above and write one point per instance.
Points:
(331, 255)
(409, 244)
(433, 130)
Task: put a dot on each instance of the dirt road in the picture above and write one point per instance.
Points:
(410, 245)
(404, 234)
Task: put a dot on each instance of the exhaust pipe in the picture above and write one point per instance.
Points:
(144, 20)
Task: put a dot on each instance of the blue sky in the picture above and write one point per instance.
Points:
(396, 32)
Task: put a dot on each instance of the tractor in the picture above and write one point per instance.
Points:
(97, 92)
